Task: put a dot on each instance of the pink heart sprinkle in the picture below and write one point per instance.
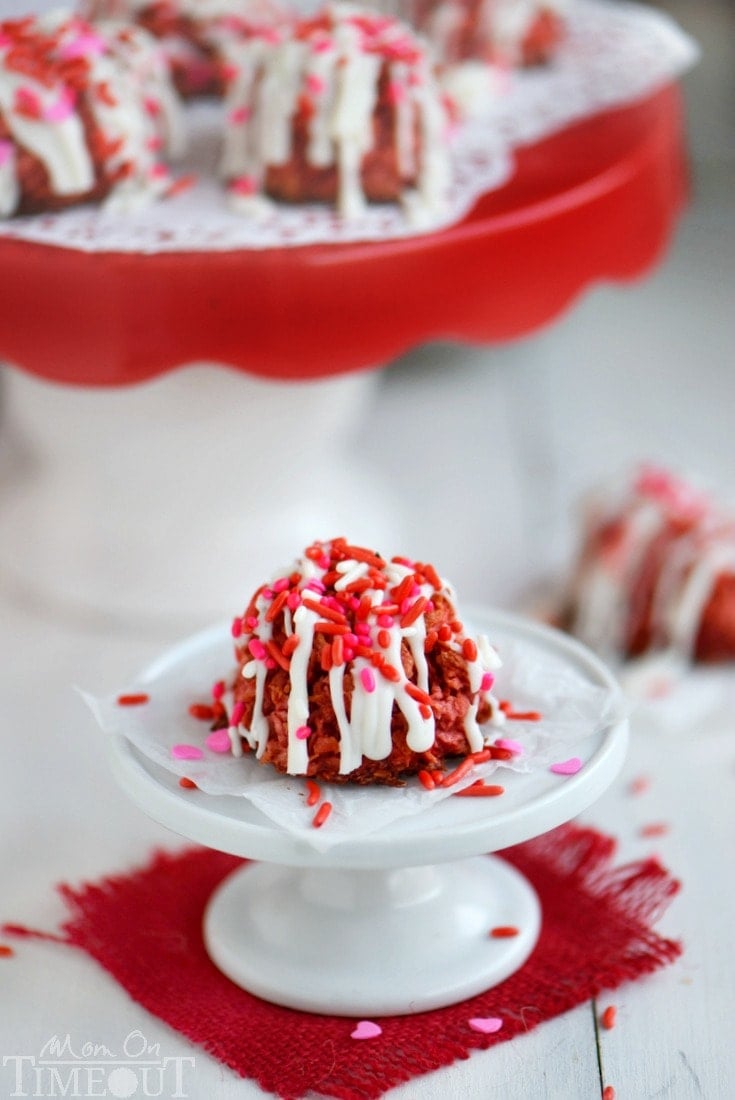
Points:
(218, 741)
(567, 767)
(366, 1029)
(511, 746)
(187, 752)
(486, 1025)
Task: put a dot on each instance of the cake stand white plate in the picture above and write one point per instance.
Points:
(394, 921)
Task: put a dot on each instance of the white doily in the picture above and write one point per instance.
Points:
(614, 54)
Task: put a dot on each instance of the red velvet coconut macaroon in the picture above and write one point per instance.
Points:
(355, 668)
(655, 572)
(343, 108)
(510, 33)
(86, 113)
(190, 32)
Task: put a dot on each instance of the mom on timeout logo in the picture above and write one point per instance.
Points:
(68, 1069)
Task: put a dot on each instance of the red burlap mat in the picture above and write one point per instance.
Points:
(144, 928)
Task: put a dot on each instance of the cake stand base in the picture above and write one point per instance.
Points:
(324, 940)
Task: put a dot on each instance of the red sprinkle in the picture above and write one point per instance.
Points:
(277, 655)
(657, 828)
(321, 815)
(480, 790)
(325, 611)
(413, 612)
(202, 711)
(426, 780)
(188, 784)
(133, 700)
(469, 650)
(6, 951)
(313, 792)
(417, 694)
(383, 639)
(608, 1093)
(290, 645)
(503, 931)
(519, 715)
(459, 772)
(608, 1017)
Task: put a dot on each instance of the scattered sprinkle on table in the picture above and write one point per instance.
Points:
(188, 784)
(486, 1025)
(656, 828)
(640, 784)
(608, 1093)
(366, 1029)
(608, 1017)
(6, 951)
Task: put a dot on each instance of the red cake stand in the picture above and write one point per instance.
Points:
(596, 201)
(137, 490)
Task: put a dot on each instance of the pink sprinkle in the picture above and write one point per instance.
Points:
(257, 649)
(366, 1029)
(487, 682)
(567, 767)
(251, 622)
(486, 1025)
(386, 620)
(218, 741)
(315, 84)
(281, 584)
(6, 152)
(640, 785)
(396, 92)
(61, 109)
(270, 664)
(511, 746)
(218, 689)
(293, 601)
(244, 185)
(159, 171)
(152, 106)
(368, 679)
(348, 653)
(322, 44)
(187, 752)
(267, 593)
(237, 712)
(83, 45)
(236, 628)
(303, 732)
(240, 115)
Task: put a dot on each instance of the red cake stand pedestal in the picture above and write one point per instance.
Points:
(206, 457)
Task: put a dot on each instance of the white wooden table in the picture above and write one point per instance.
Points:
(641, 372)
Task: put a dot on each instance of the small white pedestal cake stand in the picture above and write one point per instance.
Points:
(395, 921)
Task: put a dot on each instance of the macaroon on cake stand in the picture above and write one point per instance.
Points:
(396, 920)
(197, 458)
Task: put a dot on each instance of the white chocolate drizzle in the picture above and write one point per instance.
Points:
(373, 628)
(336, 63)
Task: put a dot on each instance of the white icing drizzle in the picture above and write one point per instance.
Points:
(136, 113)
(337, 65)
(365, 733)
